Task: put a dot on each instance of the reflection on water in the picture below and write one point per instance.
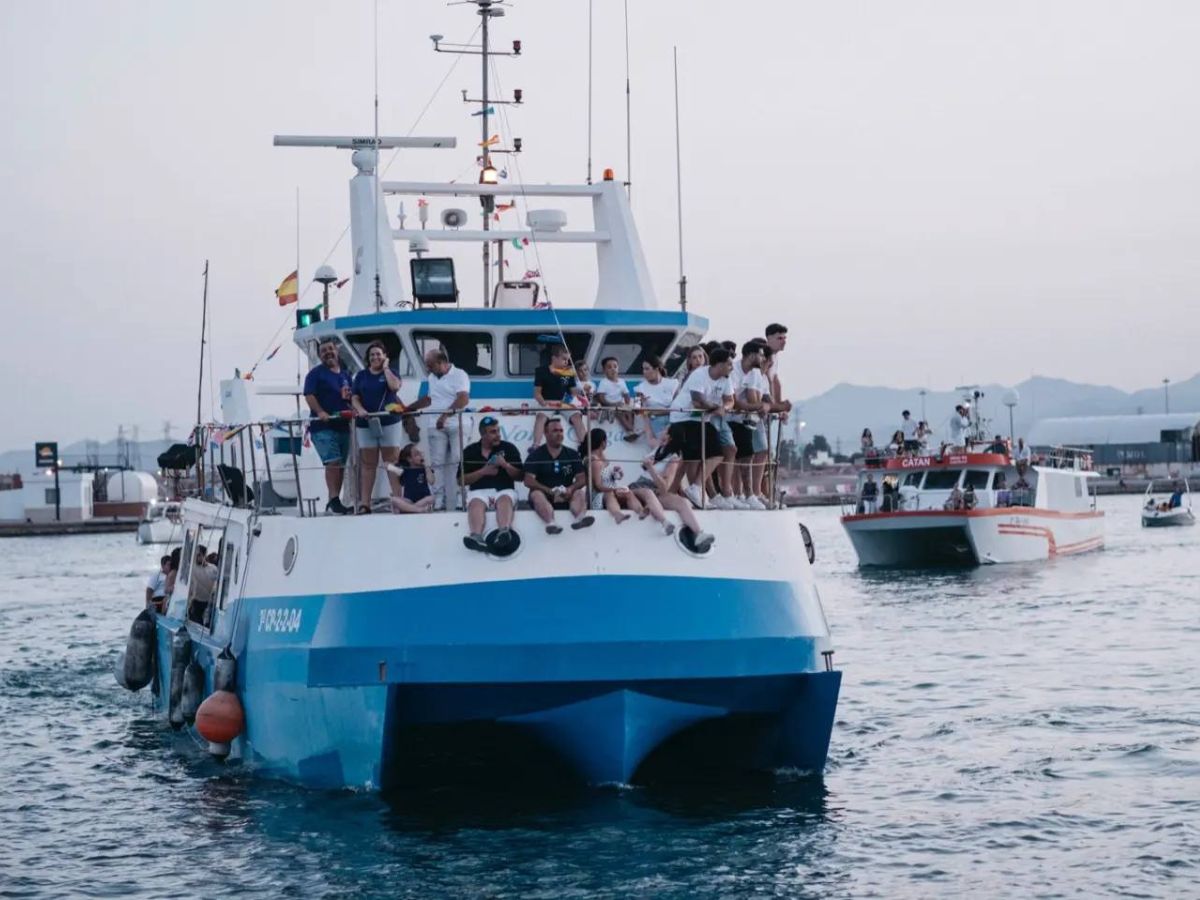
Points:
(1007, 730)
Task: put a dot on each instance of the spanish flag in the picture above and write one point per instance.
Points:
(289, 290)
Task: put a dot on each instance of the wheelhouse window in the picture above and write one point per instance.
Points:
(977, 479)
(632, 347)
(941, 479)
(529, 349)
(471, 351)
(313, 351)
(680, 352)
(397, 358)
(913, 479)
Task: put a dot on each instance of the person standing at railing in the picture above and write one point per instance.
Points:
(908, 428)
(706, 391)
(655, 394)
(751, 399)
(379, 435)
(449, 391)
(613, 392)
(327, 391)
(555, 385)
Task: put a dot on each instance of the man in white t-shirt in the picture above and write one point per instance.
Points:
(706, 390)
(751, 398)
(908, 426)
(156, 585)
(777, 336)
(449, 391)
(959, 424)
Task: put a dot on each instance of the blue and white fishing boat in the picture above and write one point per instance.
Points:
(346, 647)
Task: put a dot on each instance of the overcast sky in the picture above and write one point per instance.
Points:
(926, 192)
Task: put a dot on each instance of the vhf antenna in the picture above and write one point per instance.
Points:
(488, 9)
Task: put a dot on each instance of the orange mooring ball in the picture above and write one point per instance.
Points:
(220, 718)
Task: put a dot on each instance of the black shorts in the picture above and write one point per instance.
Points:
(686, 437)
(912, 446)
(743, 439)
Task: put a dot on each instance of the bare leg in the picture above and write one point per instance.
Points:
(758, 465)
(539, 425)
(727, 457)
(625, 417)
(504, 512)
(400, 505)
(366, 476)
(650, 501)
(579, 504)
(614, 507)
(683, 509)
(629, 498)
(541, 506)
(476, 516)
(577, 424)
(333, 479)
(392, 455)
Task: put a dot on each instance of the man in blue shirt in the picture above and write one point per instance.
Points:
(327, 392)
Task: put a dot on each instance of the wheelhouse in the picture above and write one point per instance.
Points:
(500, 348)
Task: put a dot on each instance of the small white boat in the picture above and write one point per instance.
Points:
(1170, 512)
(162, 525)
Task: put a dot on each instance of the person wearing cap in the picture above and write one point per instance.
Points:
(490, 469)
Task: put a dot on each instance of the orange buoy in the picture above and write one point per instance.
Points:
(220, 718)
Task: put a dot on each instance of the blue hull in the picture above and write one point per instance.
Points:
(356, 690)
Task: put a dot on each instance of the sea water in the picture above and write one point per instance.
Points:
(1028, 730)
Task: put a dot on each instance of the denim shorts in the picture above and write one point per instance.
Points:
(658, 424)
(332, 445)
(724, 432)
(759, 438)
(387, 436)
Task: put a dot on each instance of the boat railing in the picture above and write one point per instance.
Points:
(1077, 458)
(236, 468)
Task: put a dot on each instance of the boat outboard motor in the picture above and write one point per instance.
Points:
(139, 652)
(193, 691)
(181, 655)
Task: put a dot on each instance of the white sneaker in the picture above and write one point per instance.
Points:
(703, 541)
(736, 502)
(753, 503)
(692, 492)
(439, 505)
(720, 502)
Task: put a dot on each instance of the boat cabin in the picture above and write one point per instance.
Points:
(500, 348)
(963, 481)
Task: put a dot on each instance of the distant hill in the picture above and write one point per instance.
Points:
(841, 413)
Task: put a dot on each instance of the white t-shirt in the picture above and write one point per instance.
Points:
(658, 396)
(958, 427)
(741, 381)
(909, 427)
(157, 584)
(711, 389)
(612, 391)
(443, 389)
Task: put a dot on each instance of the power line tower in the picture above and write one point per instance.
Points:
(135, 453)
(167, 431)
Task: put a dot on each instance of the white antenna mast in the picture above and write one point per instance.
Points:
(628, 132)
(679, 189)
(375, 150)
(589, 116)
(488, 175)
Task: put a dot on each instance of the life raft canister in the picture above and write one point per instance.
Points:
(181, 655)
(138, 660)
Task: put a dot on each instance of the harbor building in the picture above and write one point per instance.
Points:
(1158, 445)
